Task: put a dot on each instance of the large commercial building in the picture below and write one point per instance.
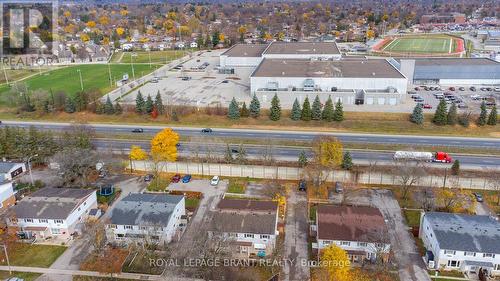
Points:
(297, 70)
(451, 71)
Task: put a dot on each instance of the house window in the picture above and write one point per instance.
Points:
(247, 235)
(112, 226)
(488, 255)
(231, 234)
(85, 203)
(362, 244)
(28, 220)
(345, 243)
(327, 242)
(264, 236)
(449, 252)
(58, 221)
(128, 227)
(497, 266)
(55, 231)
(144, 227)
(470, 254)
(454, 263)
(43, 221)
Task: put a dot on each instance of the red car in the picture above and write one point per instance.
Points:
(176, 178)
(428, 106)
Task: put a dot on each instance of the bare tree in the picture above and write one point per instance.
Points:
(78, 135)
(494, 182)
(95, 230)
(408, 174)
(76, 165)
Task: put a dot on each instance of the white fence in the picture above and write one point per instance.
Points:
(294, 173)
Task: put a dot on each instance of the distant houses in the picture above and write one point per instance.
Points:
(51, 213)
(159, 218)
(250, 227)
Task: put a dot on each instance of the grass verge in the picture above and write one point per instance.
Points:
(26, 276)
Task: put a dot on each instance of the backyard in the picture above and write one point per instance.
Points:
(33, 255)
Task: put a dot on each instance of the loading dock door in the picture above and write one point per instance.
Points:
(369, 100)
(393, 101)
(381, 101)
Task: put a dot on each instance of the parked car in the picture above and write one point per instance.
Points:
(461, 88)
(206, 130)
(497, 89)
(235, 150)
(419, 100)
(148, 177)
(338, 187)
(462, 105)
(479, 197)
(186, 78)
(451, 88)
(214, 181)
(427, 106)
(137, 130)
(176, 178)
(225, 81)
(302, 185)
(473, 89)
(186, 178)
(475, 97)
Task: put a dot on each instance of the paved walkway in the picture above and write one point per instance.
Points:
(296, 232)
(70, 272)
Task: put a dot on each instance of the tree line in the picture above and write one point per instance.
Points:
(306, 112)
(449, 116)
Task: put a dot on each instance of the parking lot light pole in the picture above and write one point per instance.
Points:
(6, 257)
(29, 167)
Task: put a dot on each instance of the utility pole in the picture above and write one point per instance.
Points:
(29, 167)
(7, 257)
(110, 79)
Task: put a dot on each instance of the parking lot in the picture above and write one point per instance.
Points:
(467, 98)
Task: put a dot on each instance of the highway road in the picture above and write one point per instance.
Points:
(489, 143)
(287, 153)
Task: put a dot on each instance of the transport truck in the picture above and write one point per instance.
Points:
(439, 156)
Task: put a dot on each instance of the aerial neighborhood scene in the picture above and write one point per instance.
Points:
(250, 140)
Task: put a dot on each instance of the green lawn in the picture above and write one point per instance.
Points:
(192, 202)
(94, 76)
(421, 45)
(158, 184)
(27, 276)
(412, 217)
(237, 186)
(34, 255)
(156, 56)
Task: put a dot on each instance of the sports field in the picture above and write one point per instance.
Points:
(421, 45)
(94, 77)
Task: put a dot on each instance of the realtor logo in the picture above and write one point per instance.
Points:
(27, 27)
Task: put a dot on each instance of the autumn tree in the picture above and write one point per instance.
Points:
(448, 200)
(329, 151)
(137, 154)
(164, 145)
(336, 263)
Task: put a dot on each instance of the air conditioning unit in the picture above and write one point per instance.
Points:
(431, 264)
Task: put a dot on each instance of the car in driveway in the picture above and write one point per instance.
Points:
(186, 178)
(479, 197)
(176, 178)
(302, 185)
(473, 89)
(206, 130)
(215, 180)
(339, 188)
(138, 130)
(427, 106)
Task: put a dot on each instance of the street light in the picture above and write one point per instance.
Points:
(6, 257)
(81, 80)
(29, 167)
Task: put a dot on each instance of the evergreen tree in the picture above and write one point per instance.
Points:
(233, 112)
(275, 113)
(70, 106)
(108, 106)
(118, 108)
(159, 103)
(464, 119)
(441, 115)
(338, 114)
(254, 107)
(306, 114)
(492, 119)
(417, 116)
(455, 168)
(347, 161)
(139, 103)
(148, 106)
(316, 109)
(244, 110)
(296, 112)
(452, 117)
(481, 121)
(328, 110)
(302, 159)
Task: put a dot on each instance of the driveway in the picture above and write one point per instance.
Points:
(411, 265)
(296, 233)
